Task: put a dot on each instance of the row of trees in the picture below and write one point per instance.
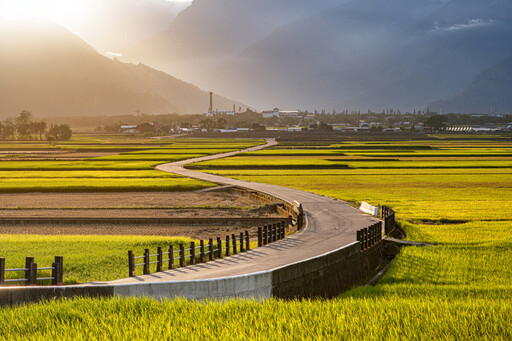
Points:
(23, 128)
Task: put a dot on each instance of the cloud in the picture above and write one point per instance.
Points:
(470, 23)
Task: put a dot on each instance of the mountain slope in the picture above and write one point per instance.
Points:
(50, 71)
(210, 31)
(491, 91)
(374, 54)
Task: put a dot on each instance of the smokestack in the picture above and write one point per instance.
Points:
(211, 103)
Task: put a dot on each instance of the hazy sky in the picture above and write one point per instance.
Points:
(108, 25)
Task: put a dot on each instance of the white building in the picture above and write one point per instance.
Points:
(276, 112)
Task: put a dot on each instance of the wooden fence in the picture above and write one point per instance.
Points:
(31, 270)
(370, 236)
(388, 215)
(204, 252)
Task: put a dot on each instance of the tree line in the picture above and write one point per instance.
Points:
(23, 128)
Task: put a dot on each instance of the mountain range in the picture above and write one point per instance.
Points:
(342, 54)
(48, 70)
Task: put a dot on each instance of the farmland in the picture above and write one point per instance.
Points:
(457, 289)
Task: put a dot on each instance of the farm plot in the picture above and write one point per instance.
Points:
(458, 289)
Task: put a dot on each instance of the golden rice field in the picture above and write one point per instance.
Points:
(459, 289)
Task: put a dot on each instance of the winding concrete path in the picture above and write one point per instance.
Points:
(331, 224)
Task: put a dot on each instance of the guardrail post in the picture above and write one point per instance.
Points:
(358, 238)
(283, 228)
(171, 257)
(54, 272)
(182, 256)
(219, 246)
(28, 267)
(242, 248)
(146, 262)
(60, 271)
(269, 234)
(228, 251)
(33, 274)
(192, 253)
(131, 265)
(233, 238)
(247, 241)
(2, 271)
(265, 235)
(211, 256)
(202, 257)
(260, 236)
(160, 260)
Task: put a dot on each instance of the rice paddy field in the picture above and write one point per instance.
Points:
(452, 193)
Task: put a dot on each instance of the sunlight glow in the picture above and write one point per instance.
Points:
(59, 11)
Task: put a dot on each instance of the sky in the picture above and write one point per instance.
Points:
(108, 25)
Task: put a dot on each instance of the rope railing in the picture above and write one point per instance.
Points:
(31, 272)
(208, 250)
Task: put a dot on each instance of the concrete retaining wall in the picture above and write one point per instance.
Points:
(327, 275)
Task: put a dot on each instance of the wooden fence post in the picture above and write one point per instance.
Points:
(28, 269)
(233, 238)
(171, 257)
(260, 236)
(219, 246)
(33, 274)
(210, 250)
(202, 257)
(60, 271)
(227, 247)
(146, 262)
(247, 241)
(242, 248)
(192, 253)
(182, 256)
(131, 265)
(160, 260)
(2, 271)
(55, 265)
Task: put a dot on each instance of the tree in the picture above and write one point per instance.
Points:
(59, 133)
(437, 122)
(23, 124)
(146, 128)
(324, 127)
(258, 127)
(9, 129)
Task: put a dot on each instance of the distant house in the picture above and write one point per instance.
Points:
(276, 112)
(129, 129)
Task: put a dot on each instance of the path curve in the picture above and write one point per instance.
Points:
(331, 224)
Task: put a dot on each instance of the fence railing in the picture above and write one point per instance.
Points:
(370, 236)
(31, 272)
(204, 252)
(388, 215)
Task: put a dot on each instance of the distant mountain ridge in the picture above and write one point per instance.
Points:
(355, 54)
(50, 71)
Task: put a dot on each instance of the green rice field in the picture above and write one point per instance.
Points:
(457, 289)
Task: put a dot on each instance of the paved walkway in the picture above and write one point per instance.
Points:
(331, 224)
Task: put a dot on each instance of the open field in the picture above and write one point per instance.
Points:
(124, 171)
(458, 289)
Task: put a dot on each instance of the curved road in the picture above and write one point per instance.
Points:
(331, 224)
